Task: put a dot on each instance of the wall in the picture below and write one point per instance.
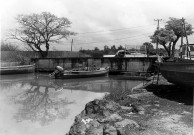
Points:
(115, 64)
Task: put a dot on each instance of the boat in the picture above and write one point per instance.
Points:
(20, 69)
(179, 72)
(59, 73)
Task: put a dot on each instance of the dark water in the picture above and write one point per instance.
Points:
(36, 105)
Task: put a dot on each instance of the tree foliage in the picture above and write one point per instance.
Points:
(164, 37)
(169, 36)
(8, 47)
(39, 30)
(148, 47)
(97, 53)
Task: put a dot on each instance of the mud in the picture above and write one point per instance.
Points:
(168, 109)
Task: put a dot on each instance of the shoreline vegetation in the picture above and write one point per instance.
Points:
(142, 112)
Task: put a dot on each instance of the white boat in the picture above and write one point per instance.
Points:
(59, 73)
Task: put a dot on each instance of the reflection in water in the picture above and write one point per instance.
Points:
(38, 106)
(49, 104)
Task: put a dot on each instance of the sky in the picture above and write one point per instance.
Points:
(100, 22)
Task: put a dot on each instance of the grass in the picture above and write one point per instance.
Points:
(121, 97)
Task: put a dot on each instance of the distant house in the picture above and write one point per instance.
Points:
(127, 54)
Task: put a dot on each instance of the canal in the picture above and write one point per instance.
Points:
(34, 104)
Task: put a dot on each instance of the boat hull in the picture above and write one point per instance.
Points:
(181, 73)
(17, 69)
(82, 74)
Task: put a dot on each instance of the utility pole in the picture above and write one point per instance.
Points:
(71, 44)
(188, 46)
(158, 27)
(181, 47)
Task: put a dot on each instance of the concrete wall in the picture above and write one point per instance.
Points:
(115, 64)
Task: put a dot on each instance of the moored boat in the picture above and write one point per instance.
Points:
(181, 72)
(59, 73)
(21, 69)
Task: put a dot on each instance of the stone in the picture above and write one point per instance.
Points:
(84, 125)
(126, 108)
(106, 113)
(101, 107)
(111, 105)
(125, 126)
(186, 113)
(95, 130)
(138, 109)
(139, 95)
(78, 128)
(93, 107)
(112, 118)
(110, 130)
(94, 123)
(126, 122)
(157, 105)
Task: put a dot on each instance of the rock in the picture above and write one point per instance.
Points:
(93, 107)
(111, 105)
(78, 128)
(186, 113)
(94, 123)
(115, 117)
(110, 130)
(138, 109)
(112, 118)
(95, 130)
(106, 113)
(157, 105)
(100, 107)
(126, 122)
(83, 126)
(139, 95)
(126, 125)
(126, 108)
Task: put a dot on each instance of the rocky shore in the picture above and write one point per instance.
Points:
(157, 109)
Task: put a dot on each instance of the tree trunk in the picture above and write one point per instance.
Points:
(47, 49)
(169, 47)
(173, 46)
(167, 50)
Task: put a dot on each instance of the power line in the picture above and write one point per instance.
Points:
(121, 29)
(114, 39)
(93, 36)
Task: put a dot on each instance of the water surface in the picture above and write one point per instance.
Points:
(36, 105)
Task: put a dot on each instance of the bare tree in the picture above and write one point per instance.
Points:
(39, 30)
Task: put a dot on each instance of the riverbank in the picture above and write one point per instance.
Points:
(155, 109)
